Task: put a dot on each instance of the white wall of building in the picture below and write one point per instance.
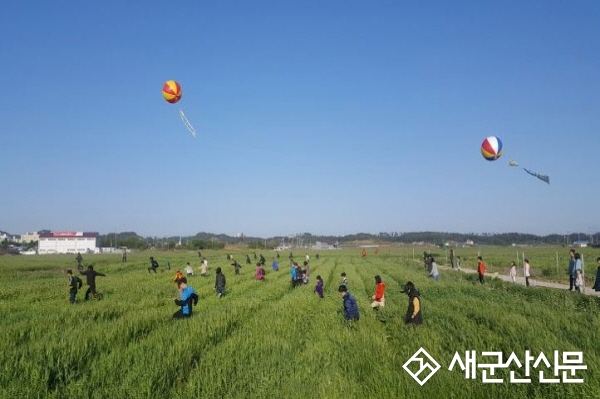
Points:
(66, 245)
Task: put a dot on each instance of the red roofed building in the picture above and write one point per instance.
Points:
(67, 242)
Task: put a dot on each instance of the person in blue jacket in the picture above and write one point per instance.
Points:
(189, 298)
(350, 306)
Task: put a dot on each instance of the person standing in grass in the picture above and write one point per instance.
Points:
(188, 299)
(90, 275)
(597, 283)
(413, 313)
(434, 273)
(350, 306)
(571, 269)
(307, 268)
(75, 284)
(275, 265)
(79, 260)
(319, 287)
(527, 271)
(178, 275)
(379, 297)
(480, 269)
(579, 281)
(124, 257)
(513, 271)
(458, 263)
(220, 283)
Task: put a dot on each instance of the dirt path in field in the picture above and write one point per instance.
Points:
(521, 280)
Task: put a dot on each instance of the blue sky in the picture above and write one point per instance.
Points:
(329, 117)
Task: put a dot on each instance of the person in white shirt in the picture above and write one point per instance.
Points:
(527, 268)
(188, 270)
(434, 273)
(513, 271)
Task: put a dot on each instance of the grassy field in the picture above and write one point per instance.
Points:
(265, 339)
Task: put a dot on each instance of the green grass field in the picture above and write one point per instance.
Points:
(265, 339)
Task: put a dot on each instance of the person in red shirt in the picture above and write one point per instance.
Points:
(379, 297)
(480, 269)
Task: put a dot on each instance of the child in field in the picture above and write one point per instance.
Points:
(204, 268)
(350, 306)
(434, 273)
(153, 265)
(458, 263)
(379, 297)
(260, 272)
(188, 298)
(578, 280)
(75, 284)
(513, 271)
(319, 287)
(344, 279)
(220, 283)
(188, 270)
(90, 275)
(178, 275)
(236, 267)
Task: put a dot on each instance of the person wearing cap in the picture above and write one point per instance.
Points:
(379, 297)
(188, 298)
(413, 313)
(350, 306)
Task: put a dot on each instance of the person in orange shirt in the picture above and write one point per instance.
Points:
(364, 252)
(480, 269)
(379, 297)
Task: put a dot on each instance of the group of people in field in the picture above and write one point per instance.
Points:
(351, 313)
(188, 298)
(574, 270)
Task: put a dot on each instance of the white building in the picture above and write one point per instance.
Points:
(67, 242)
(29, 237)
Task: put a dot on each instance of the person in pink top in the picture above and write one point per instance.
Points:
(260, 272)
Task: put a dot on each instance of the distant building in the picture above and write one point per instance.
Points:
(29, 237)
(580, 243)
(67, 242)
(323, 245)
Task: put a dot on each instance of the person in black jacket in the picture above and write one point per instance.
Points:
(90, 276)
(220, 283)
(153, 265)
(75, 284)
(413, 313)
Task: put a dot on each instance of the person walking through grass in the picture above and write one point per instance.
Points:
(344, 279)
(153, 265)
(236, 266)
(203, 268)
(434, 273)
(220, 282)
(319, 287)
(260, 272)
(90, 276)
(413, 312)
(458, 263)
(75, 284)
(189, 271)
(187, 299)
(379, 296)
(350, 307)
(481, 269)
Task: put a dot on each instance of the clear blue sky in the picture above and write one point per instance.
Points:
(329, 117)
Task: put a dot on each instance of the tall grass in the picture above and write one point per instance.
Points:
(265, 339)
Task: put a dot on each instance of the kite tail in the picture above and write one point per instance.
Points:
(544, 178)
(187, 123)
